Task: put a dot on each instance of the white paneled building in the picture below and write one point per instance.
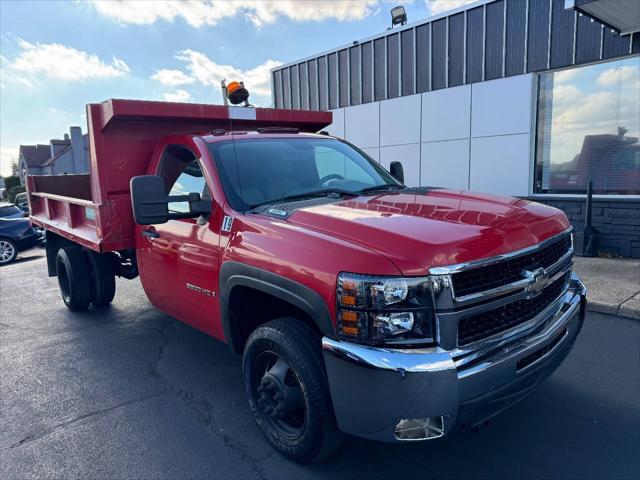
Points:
(524, 98)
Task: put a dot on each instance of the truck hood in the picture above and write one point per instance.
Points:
(432, 228)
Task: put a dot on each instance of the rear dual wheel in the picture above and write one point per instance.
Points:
(84, 278)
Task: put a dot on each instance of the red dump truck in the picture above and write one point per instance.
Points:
(360, 305)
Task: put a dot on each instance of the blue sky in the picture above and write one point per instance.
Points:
(58, 56)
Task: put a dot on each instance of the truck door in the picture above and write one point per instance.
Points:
(178, 260)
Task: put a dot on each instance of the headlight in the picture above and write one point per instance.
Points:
(384, 310)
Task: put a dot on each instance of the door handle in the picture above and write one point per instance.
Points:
(151, 234)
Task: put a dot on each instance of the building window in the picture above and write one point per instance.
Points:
(588, 129)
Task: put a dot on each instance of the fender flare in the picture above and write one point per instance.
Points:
(234, 274)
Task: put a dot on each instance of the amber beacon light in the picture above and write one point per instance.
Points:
(235, 93)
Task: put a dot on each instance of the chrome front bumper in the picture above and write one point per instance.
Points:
(373, 389)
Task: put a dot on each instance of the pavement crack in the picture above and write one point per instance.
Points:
(154, 368)
(32, 437)
(625, 301)
(203, 409)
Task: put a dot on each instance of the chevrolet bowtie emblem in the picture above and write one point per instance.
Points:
(538, 279)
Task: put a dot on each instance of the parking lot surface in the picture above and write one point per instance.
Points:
(128, 392)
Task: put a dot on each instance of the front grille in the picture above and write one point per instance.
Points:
(508, 271)
(486, 324)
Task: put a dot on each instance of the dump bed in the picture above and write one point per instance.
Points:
(94, 210)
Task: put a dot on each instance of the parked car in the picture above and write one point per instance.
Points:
(22, 202)
(16, 235)
(9, 210)
(360, 305)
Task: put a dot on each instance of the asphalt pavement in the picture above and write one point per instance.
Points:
(128, 392)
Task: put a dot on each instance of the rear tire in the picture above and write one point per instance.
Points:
(288, 391)
(104, 281)
(74, 278)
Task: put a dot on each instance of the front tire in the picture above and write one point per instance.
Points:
(288, 392)
(74, 278)
(8, 251)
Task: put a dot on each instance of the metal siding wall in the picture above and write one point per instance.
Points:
(367, 72)
(393, 66)
(313, 84)
(322, 84)
(408, 64)
(562, 32)
(295, 87)
(343, 77)
(439, 54)
(494, 42)
(498, 39)
(588, 40)
(614, 45)
(286, 87)
(475, 36)
(354, 70)
(456, 50)
(379, 69)
(304, 86)
(423, 51)
(333, 81)
(277, 88)
(515, 38)
(538, 33)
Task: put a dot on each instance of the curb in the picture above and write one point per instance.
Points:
(612, 309)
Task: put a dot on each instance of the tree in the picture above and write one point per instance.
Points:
(12, 181)
(13, 191)
(14, 168)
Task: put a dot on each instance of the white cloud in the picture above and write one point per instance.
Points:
(619, 75)
(56, 61)
(178, 96)
(439, 6)
(566, 75)
(198, 13)
(208, 72)
(172, 78)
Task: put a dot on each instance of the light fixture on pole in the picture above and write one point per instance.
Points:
(398, 16)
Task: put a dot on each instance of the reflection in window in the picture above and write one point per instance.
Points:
(189, 181)
(588, 129)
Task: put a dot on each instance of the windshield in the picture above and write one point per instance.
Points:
(8, 210)
(264, 170)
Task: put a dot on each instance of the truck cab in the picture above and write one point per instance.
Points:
(360, 306)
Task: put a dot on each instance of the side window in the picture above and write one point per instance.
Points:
(333, 162)
(183, 175)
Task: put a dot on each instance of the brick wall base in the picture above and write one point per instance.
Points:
(617, 221)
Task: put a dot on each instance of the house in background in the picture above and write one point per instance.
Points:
(69, 155)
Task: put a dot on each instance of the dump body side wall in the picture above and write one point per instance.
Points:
(123, 134)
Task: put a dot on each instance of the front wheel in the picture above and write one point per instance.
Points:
(288, 391)
(8, 251)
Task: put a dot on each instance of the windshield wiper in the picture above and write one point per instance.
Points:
(314, 193)
(387, 186)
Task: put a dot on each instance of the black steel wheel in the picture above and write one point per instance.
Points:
(280, 399)
(288, 392)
